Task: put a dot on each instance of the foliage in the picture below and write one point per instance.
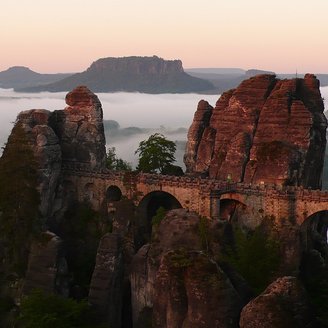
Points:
(173, 170)
(81, 230)
(6, 304)
(159, 216)
(43, 310)
(180, 259)
(115, 163)
(255, 256)
(19, 199)
(203, 232)
(314, 275)
(156, 154)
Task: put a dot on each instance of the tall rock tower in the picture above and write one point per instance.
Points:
(264, 131)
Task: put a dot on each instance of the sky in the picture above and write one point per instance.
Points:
(68, 35)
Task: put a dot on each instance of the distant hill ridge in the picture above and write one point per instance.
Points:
(132, 74)
(136, 74)
(22, 77)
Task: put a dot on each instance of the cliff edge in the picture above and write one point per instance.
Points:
(265, 131)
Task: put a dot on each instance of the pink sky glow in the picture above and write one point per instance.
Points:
(67, 36)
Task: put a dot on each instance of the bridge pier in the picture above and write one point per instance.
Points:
(215, 205)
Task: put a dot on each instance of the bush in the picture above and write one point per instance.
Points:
(159, 216)
(114, 163)
(255, 255)
(43, 310)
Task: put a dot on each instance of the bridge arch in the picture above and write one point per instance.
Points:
(229, 206)
(113, 193)
(314, 209)
(240, 209)
(314, 248)
(147, 209)
(314, 231)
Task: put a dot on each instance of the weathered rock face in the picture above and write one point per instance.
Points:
(192, 291)
(265, 130)
(283, 304)
(43, 269)
(72, 136)
(80, 129)
(107, 279)
(177, 282)
(47, 151)
(142, 284)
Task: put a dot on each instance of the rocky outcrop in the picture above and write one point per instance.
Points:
(47, 151)
(80, 129)
(44, 270)
(106, 284)
(142, 74)
(266, 130)
(142, 280)
(73, 136)
(192, 291)
(283, 304)
(177, 283)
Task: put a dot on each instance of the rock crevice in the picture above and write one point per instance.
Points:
(264, 131)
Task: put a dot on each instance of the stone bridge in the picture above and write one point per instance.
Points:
(208, 197)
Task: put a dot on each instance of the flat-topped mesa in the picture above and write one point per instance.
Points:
(264, 131)
(80, 129)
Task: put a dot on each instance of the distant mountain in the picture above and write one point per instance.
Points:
(253, 72)
(217, 70)
(22, 77)
(228, 78)
(140, 74)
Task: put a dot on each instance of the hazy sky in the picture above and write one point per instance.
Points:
(67, 35)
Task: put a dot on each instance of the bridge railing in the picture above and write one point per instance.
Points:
(215, 187)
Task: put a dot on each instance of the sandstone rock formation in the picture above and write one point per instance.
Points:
(73, 136)
(265, 130)
(43, 265)
(192, 291)
(283, 304)
(179, 284)
(107, 279)
(80, 129)
(47, 151)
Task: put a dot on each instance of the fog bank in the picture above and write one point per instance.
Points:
(138, 115)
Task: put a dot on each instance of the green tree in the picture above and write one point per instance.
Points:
(19, 199)
(156, 154)
(255, 255)
(115, 163)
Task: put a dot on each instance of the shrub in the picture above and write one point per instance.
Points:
(43, 310)
(255, 255)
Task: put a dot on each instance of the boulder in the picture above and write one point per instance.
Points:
(192, 291)
(283, 304)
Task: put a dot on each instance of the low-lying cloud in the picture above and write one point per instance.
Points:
(137, 115)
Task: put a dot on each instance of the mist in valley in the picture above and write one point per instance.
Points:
(128, 117)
